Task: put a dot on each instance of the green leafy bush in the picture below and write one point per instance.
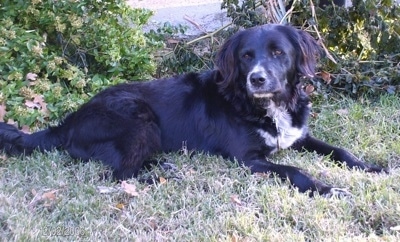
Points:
(364, 39)
(54, 55)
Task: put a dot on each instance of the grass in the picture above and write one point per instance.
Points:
(50, 197)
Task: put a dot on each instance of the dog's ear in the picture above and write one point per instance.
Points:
(310, 52)
(227, 61)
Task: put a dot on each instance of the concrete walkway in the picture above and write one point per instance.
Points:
(198, 15)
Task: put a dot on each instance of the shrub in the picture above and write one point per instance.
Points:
(54, 55)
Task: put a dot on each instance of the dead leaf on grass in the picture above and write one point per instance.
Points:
(162, 180)
(47, 199)
(130, 189)
(235, 199)
(50, 195)
(120, 206)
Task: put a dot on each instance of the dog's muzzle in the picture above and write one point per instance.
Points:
(262, 85)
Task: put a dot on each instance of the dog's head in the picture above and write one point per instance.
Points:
(267, 60)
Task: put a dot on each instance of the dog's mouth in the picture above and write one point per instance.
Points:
(263, 95)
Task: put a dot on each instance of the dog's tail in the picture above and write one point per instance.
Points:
(16, 142)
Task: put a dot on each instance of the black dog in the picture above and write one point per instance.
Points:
(251, 106)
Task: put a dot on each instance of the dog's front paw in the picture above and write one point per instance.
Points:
(376, 169)
(338, 192)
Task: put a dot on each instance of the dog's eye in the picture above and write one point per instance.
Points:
(277, 52)
(247, 56)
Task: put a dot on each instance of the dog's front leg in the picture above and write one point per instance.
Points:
(297, 177)
(339, 155)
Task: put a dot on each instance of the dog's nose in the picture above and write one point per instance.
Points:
(257, 79)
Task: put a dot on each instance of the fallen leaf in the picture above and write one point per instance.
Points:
(31, 104)
(40, 100)
(129, 188)
(235, 199)
(49, 195)
(39, 103)
(31, 76)
(120, 206)
(162, 180)
(309, 89)
(326, 76)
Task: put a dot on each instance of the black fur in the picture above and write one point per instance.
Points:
(237, 111)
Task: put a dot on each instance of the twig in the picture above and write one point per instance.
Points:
(194, 23)
(208, 35)
(289, 12)
(318, 34)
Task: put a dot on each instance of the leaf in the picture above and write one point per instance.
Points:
(129, 188)
(31, 104)
(31, 76)
(309, 89)
(2, 112)
(40, 100)
(49, 195)
(39, 103)
(162, 180)
(326, 76)
(235, 199)
(120, 206)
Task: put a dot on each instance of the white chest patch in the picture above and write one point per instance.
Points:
(287, 134)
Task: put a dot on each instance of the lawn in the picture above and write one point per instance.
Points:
(50, 197)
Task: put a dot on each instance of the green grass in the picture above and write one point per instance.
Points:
(50, 197)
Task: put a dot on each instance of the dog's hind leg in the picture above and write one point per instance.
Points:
(122, 137)
(137, 147)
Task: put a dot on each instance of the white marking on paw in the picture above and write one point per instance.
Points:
(339, 192)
